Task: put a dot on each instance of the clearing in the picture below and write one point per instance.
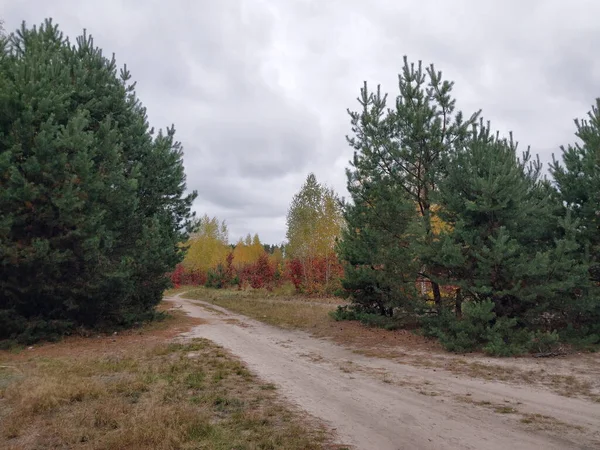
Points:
(380, 394)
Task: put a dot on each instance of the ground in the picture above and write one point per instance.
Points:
(145, 389)
(213, 377)
(396, 390)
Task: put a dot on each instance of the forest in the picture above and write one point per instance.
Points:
(450, 229)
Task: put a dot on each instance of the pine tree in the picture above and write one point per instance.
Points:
(407, 144)
(578, 183)
(92, 206)
(379, 267)
(506, 243)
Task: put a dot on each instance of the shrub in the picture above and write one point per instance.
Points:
(544, 341)
(349, 312)
(217, 278)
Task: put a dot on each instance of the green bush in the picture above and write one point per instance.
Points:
(50, 330)
(347, 312)
(586, 337)
(461, 335)
(504, 338)
(480, 329)
(217, 278)
(544, 341)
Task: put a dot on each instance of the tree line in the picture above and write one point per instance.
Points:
(452, 229)
(308, 259)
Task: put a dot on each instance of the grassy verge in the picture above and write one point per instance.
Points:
(287, 312)
(138, 391)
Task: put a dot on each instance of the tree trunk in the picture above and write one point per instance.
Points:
(459, 299)
(437, 296)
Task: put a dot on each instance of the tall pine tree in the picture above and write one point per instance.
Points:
(578, 181)
(92, 204)
(406, 144)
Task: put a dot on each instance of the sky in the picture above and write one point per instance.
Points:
(258, 90)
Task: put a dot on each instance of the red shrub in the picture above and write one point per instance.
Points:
(182, 276)
(295, 273)
(259, 274)
(315, 276)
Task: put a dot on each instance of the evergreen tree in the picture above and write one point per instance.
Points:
(505, 242)
(578, 183)
(406, 145)
(92, 206)
(379, 268)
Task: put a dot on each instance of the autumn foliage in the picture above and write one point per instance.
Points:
(212, 262)
(308, 260)
(316, 276)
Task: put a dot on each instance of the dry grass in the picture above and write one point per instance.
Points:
(292, 313)
(543, 422)
(565, 385)
(136, 390)
(535, 421)
(312, 315)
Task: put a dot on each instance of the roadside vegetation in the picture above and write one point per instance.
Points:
(286, 311)
(93, 201)
(140, 390)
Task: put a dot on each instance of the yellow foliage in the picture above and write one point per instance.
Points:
(247, 251)
(276, 259)
(208, 245)
(314, 221)
(438, 226)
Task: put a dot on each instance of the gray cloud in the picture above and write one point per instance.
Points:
(258, 90)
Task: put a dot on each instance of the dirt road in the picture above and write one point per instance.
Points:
(375, 403)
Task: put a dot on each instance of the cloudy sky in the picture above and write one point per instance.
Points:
(258, 89)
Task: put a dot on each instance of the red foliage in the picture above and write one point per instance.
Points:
(177, 275)
(260, 274)
(315, 276)
(295, 271)
(181, 276)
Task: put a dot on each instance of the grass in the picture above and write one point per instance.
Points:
(505, 410)
(543, 422)
(139, 390)
(285, 312)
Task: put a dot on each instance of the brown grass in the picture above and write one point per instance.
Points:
(135, 390)
(292, 313)
(565, 385)
(543, 422)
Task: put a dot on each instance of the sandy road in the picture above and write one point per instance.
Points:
(374, 403)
